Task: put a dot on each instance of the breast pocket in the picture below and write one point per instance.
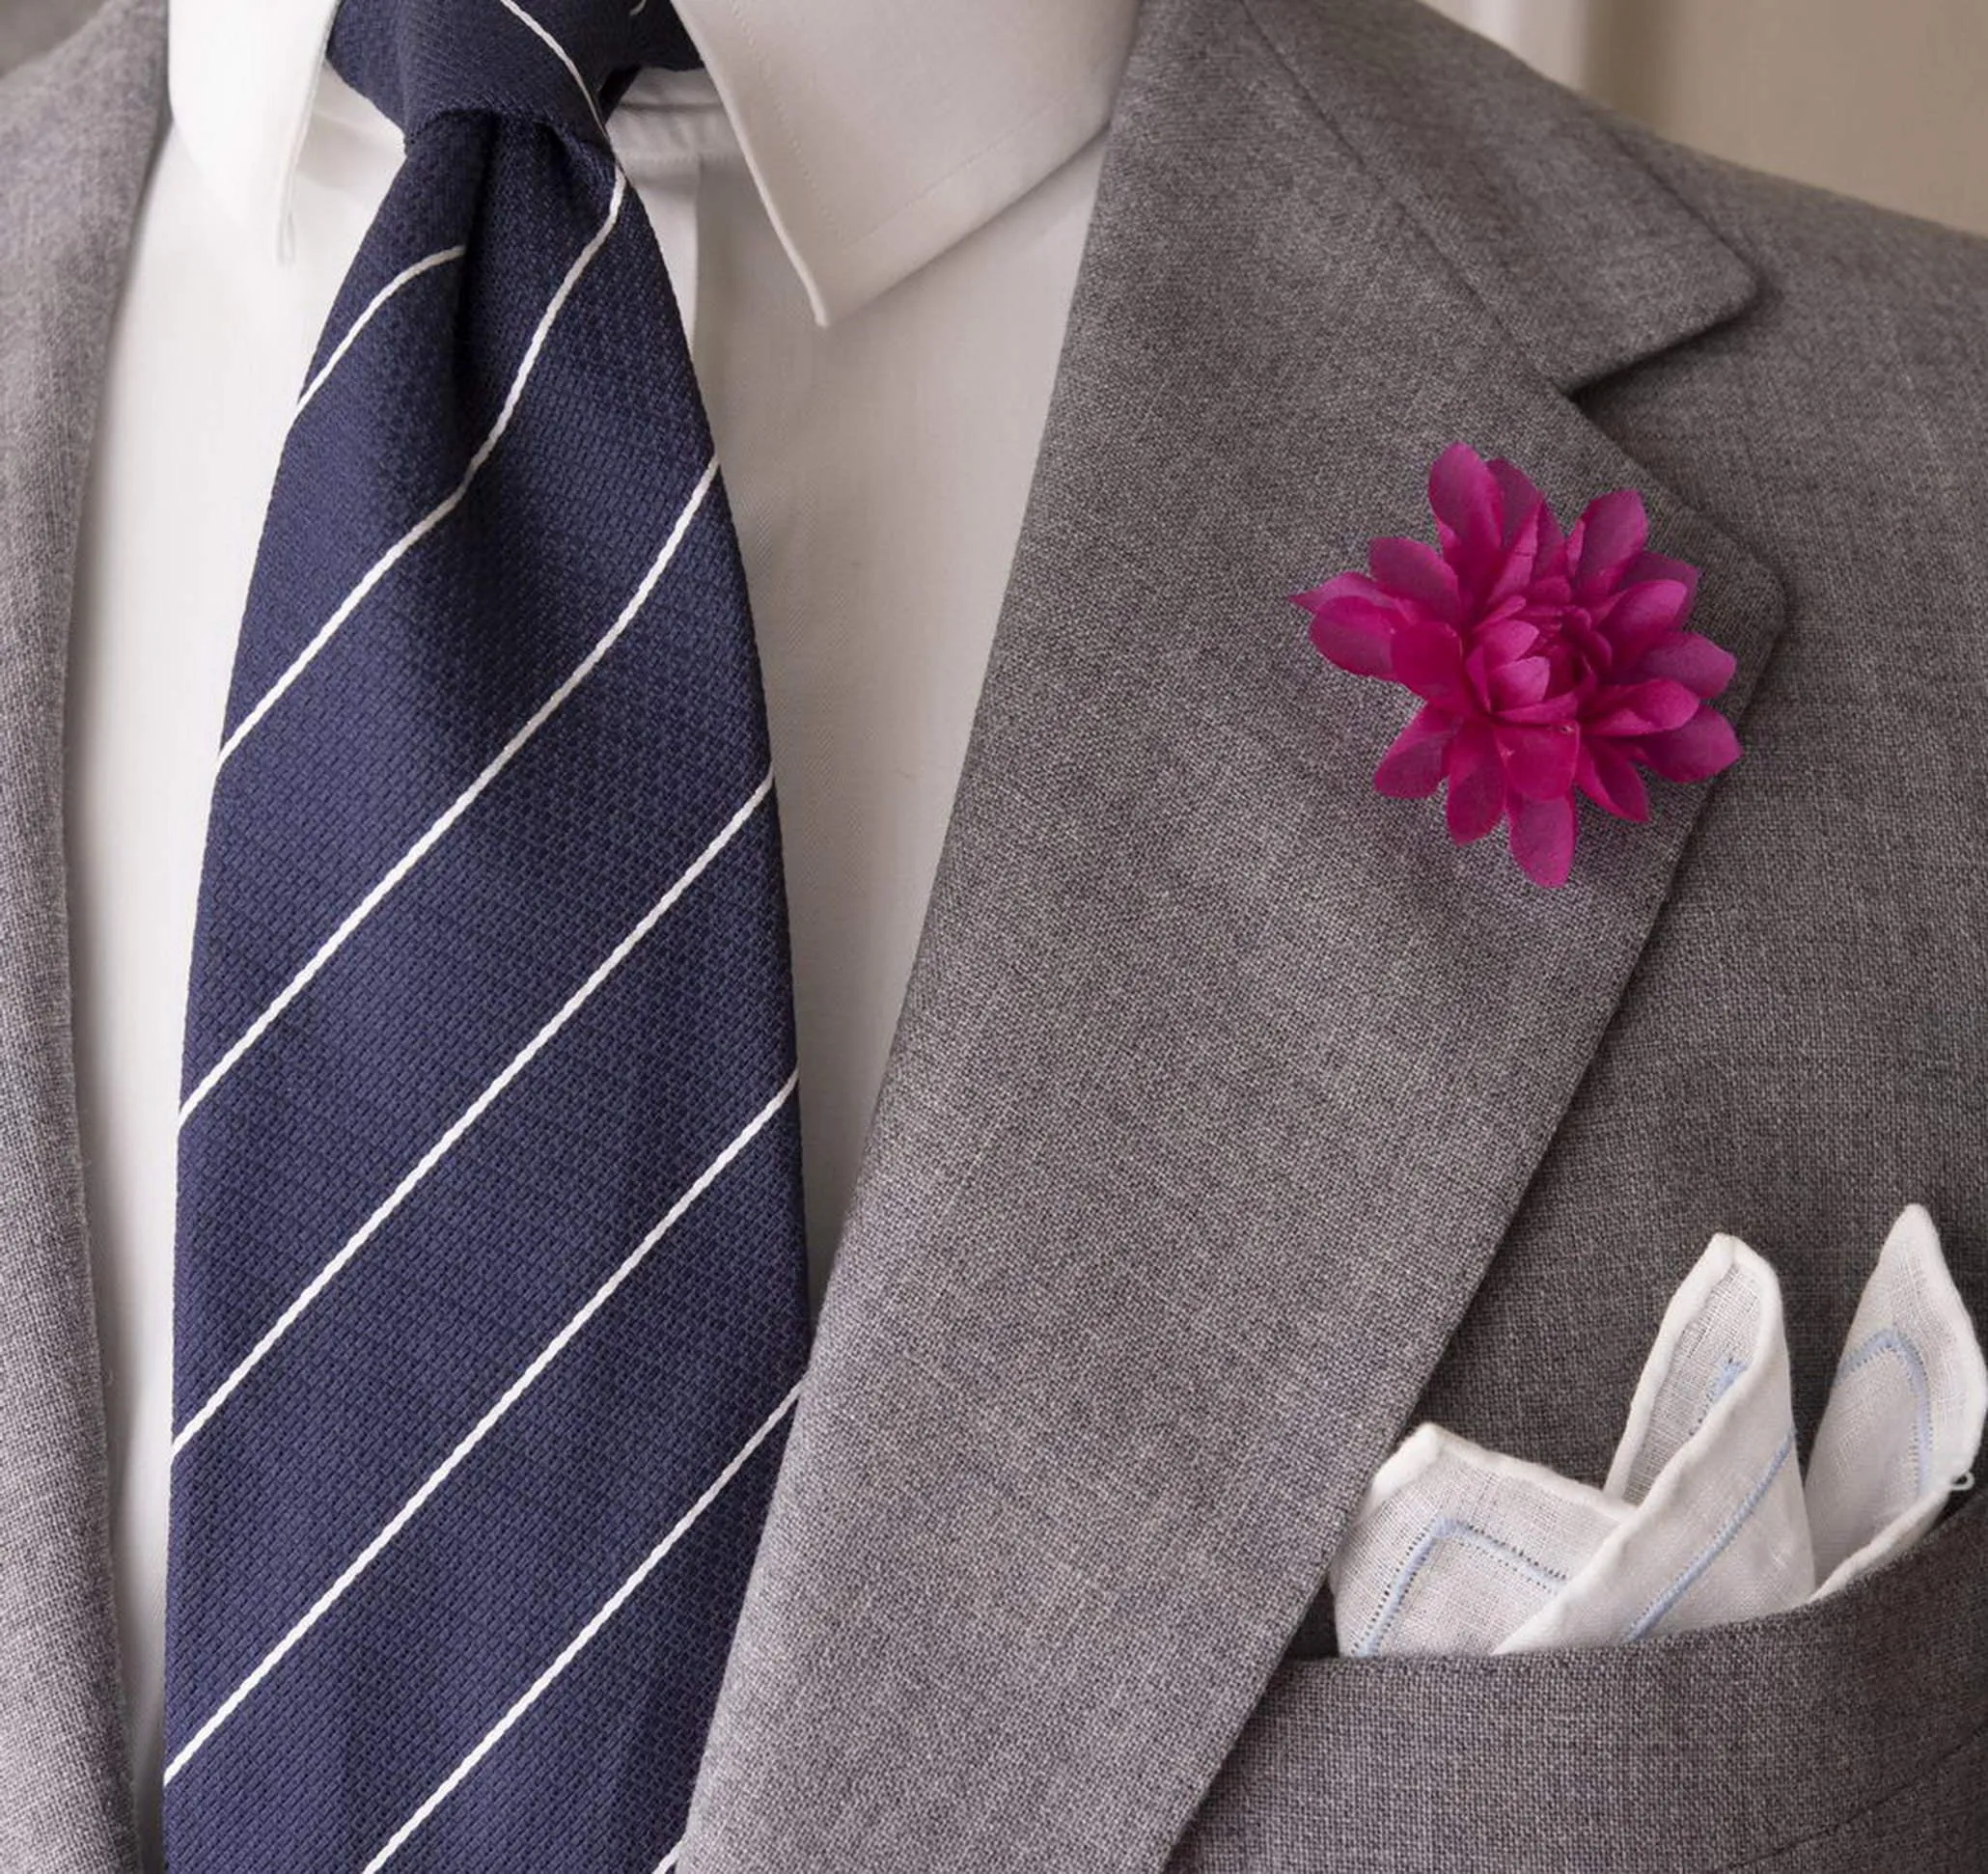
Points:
(1850, 1734)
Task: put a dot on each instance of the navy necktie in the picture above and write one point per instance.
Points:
(490, 1293)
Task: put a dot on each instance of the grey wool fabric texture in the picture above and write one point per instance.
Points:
(1236, 1120)
(76, 130)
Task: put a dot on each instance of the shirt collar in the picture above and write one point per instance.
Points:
(879, 132)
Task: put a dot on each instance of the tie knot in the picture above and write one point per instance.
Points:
(558, 61)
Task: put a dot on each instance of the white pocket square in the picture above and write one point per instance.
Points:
(1705, 1515)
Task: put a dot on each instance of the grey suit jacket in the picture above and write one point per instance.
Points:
(1234, 1118)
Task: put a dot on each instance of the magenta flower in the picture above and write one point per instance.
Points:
(1547, 665)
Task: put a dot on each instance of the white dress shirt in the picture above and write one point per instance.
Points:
(872, 214)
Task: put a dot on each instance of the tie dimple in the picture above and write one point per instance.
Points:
(491, 1299)
(552, 61)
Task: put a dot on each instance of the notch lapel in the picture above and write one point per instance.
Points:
(1219, 1077)
(76, 131)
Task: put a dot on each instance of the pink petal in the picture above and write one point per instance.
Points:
(1352, 624)
(1508, 638)
(1543, 839)
(1413, 571)
(1703, 667)
(1695, 752)
(1429, 659)
(1520, 681)
(1550, 564)
(1609, 779)
(1563, 706)
(1640, 615)
(1656, 566)
(1515, 571)
(1539, 762)
(1642, 708)
(1549, 589)
(1481, 667)
(1412, 769)
(1475, 801)
(1465, 500)
(1606, 538)
(1521, 499)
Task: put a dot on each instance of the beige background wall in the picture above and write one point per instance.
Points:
(1882, 99)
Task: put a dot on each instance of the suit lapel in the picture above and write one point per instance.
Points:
(1586, 260)
(75, 134)
(1219, 1077)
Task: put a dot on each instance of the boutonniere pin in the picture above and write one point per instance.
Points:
(1548, 664)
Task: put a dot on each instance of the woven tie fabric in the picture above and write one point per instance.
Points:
(490, 1294)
